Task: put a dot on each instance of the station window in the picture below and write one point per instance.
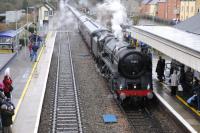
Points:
(50, 13)
(46, 13)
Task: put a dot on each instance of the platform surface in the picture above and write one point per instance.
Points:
(5, 59)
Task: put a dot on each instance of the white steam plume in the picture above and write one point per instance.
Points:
(113, 13)
(63, 18)
(84, 2)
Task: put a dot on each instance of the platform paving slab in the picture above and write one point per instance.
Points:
(5, 59)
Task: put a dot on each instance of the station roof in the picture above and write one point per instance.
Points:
(8, 33)
(175, 43)
(190, 25)
(189, 40)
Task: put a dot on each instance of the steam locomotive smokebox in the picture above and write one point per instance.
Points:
(131, 64)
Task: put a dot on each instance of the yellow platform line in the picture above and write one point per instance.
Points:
(28, 81)
(185, 103)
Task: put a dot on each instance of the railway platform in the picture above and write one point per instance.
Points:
(25, 75)
(29, 105)
(181, 113)
(174, 103)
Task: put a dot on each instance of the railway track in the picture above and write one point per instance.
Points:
(66, 115)
(147, 119)
(142, 121)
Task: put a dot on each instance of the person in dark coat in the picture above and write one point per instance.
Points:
(196, 90)
(159, 69)
(2, 95)
(163, 69)
(7, 111)
(188, 81)
(182, 77)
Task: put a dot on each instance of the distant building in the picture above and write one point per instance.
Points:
(162, 9)
(197, 7)
(153, 8)
(187, 9)
(173, 9)
(13, 16)
(145, 7)
(45, 12)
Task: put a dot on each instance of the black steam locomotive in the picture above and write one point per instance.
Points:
(127, 69)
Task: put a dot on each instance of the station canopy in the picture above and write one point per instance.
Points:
(7, 37)
(175, 43)
(8, 34)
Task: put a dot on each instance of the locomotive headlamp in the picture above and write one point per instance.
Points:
(148, 87)
(121, 86)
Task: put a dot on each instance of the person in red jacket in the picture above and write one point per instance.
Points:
(7, 81)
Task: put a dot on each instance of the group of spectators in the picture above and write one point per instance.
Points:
(181, 80)
(132, 41)
(6, 106)
(34, 44)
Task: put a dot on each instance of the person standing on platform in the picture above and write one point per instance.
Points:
(2, 95)
(182, 77)
(198, 97)
(159, 69)
(188, 82)
(34, 52)
(196, 92)
(7, 111)
(163, 69)
(7, 82)
(174, 83)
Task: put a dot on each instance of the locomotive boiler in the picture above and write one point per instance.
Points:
(127, 69)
